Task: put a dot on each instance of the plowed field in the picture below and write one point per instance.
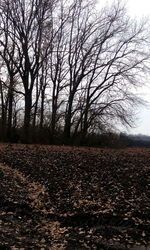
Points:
(74, 198)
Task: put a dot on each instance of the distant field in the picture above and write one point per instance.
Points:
(55, 197)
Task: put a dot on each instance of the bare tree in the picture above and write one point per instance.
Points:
(106, 60)
(26, 23)
(76, 67)
(57, 64)
(7, 52)
(4, 108)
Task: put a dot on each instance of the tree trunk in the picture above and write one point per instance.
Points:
(27, 116)
(85, 125)
(10, 108)
(67, 128)
(42, 108)
(53, 123)
(3, 116)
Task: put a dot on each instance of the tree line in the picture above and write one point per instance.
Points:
(68, 69)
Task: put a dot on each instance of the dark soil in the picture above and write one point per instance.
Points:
(74, 198)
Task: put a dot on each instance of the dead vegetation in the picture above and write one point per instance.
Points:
(73, 198)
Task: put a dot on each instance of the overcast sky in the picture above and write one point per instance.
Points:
(138, 9)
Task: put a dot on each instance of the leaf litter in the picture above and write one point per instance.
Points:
(74, 198)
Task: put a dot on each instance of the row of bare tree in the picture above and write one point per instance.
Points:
(67, 67)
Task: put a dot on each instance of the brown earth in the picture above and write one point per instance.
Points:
(74, 198)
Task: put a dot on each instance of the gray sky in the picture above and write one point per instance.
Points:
(138, 9)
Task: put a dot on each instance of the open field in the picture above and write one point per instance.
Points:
(74, 198)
